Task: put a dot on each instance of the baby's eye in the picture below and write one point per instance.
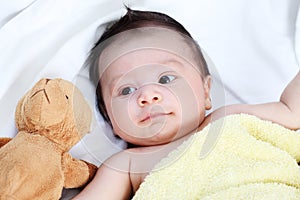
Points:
(166, 79)
(127, 90)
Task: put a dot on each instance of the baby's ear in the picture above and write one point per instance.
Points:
(207, 86)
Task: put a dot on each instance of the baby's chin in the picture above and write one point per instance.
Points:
(156, 132)
(159, 133)
(159, 138)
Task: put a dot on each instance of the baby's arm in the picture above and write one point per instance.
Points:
(112, 181)
(285, 112)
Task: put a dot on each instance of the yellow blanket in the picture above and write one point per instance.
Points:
(252, 159)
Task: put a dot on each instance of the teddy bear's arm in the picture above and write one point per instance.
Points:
(77, 172)
(3, 141)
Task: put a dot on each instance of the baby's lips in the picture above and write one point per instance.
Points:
(150, 116)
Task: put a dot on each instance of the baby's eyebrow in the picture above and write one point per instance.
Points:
(113, 82)
(166, 62)
(169, 61)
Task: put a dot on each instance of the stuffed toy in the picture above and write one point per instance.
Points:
(35, 164)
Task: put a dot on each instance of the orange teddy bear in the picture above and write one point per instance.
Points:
(51, 118)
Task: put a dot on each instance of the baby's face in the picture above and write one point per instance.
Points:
(153, 96)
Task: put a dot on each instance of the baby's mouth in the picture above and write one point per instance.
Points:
(151, 116)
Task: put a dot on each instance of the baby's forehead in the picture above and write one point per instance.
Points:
(146, 62)
(145, 38)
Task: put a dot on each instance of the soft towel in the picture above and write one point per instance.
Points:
(252, 159)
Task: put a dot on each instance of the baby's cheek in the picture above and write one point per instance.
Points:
(121, 117)
(190, 105)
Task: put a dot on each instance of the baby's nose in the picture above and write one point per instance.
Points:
(149, 97)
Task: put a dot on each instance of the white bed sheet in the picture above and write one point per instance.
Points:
(255, 46)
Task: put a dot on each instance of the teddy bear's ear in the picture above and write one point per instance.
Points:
(19, 120)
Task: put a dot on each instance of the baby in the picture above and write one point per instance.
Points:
(153, 88)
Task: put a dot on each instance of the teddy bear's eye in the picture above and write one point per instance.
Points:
(67, 97)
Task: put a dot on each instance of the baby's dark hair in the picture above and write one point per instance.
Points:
(131, 20)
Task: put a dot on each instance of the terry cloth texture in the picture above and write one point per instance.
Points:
(252, 159)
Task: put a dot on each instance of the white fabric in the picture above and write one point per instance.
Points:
(254, 44)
